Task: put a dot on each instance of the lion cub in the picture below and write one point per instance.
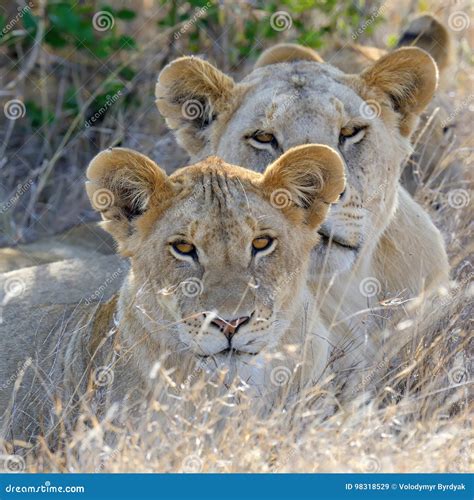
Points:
(218, 261)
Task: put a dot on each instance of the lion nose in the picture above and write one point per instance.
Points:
(230, 327)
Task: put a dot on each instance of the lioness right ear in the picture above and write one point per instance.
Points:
(409, 77)
(121, 185)
(287, 52)
(304, 181)
(190, 94)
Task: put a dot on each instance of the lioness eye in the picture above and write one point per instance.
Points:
(264, 137)
(261, 243)
(184, 248)
(263, 140)
(351, 134)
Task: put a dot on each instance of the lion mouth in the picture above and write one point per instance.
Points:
(334, 240)
(229, 352)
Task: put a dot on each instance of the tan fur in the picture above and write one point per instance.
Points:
(286, 52)
(376, 231)
(156, 315)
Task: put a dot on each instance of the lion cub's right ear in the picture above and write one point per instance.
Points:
(122, 185)
(304, 181)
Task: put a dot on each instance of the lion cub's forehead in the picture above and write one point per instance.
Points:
(213, 196)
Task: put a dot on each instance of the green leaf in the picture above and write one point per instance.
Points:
(126, 14)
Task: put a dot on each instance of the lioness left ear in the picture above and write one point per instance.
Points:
(409, 77)
(304, 181)
(121, 185)
(287, 52)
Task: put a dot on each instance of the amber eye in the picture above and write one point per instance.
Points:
(184, 248)
(351, 132)
(261, 243)
(264, 137)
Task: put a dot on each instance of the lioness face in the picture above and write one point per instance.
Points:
(368, 118)
(313, 103)
(218, 253)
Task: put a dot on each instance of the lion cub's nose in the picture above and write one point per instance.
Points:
(230, 327)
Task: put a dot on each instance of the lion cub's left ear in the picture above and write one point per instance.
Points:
(304, 181)
(122, 185)
(409, 77)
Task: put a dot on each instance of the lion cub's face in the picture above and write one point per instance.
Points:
(290, 100)
(218, 253)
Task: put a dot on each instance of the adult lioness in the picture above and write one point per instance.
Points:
(383, 244)
(218, 276)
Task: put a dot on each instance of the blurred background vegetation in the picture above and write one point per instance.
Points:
(79, 76)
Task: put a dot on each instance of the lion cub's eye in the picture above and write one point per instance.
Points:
(262, 243)
(351, 135)
(184, 248)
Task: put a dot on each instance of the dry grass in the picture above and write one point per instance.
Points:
(415, 419)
